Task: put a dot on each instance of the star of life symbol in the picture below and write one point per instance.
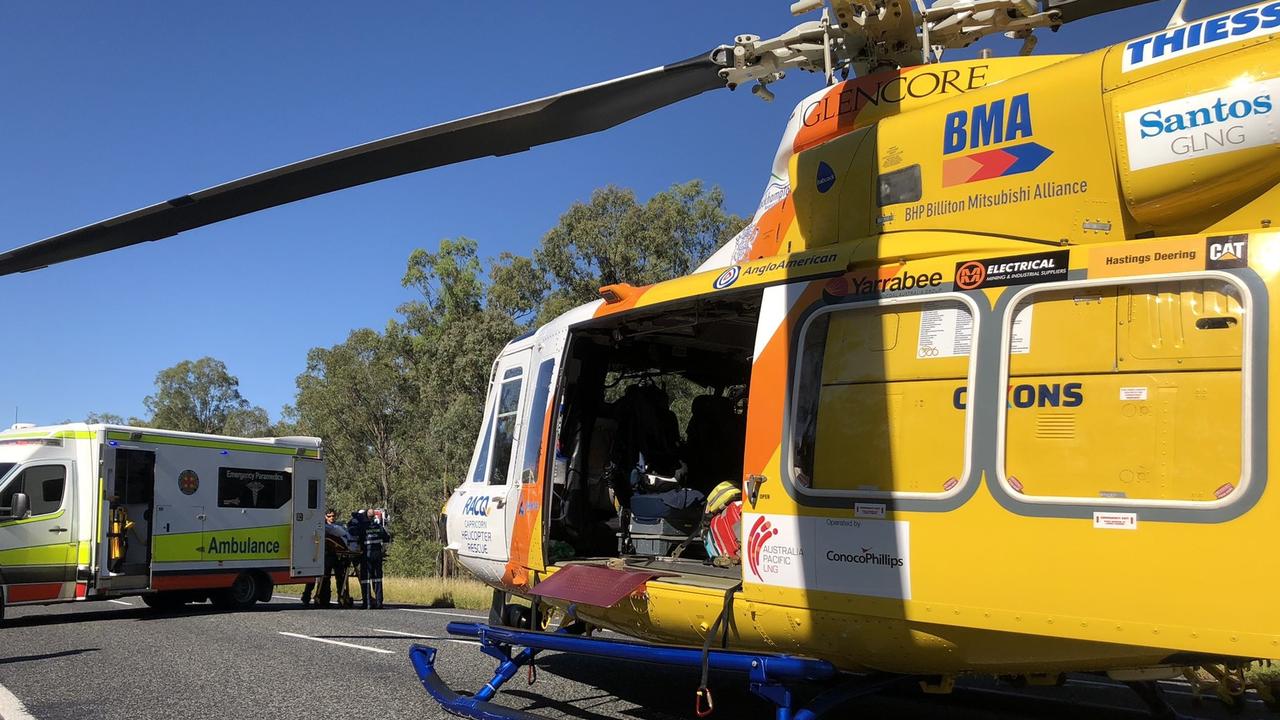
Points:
(255, 487)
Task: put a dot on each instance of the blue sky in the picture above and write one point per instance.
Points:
(111, 107)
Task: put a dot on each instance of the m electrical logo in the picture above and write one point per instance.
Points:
(993, 123)
(1237, 117)
(1013, 270)
(1203, 34)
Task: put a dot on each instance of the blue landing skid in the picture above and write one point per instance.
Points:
(771, 676)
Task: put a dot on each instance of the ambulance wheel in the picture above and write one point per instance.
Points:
(242, 593)
(165, 600)
(266, 588)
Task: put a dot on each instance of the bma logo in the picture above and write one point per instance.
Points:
(727, 278)
(1227, 251)
(988, 124)
(477, 506)
(762, 531)
(993, 123)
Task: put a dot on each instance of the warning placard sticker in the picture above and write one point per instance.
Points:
(945, 331)
(1020, 337)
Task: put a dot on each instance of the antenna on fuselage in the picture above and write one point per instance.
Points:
(1177, 20)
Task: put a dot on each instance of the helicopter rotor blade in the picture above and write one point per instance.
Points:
(1072, 10)
(499, 132)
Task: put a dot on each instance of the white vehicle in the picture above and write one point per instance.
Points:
(90, 512)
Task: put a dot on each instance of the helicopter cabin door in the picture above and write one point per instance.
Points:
(494, 487)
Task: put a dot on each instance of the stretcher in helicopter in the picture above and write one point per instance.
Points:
(983, 388)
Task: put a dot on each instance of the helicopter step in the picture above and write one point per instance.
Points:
(771, 676)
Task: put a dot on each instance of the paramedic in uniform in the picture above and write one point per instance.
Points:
(375, 539)
(356, 528)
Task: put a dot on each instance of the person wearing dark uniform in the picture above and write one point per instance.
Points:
(330, 563)
(356, 528)
(375, 539)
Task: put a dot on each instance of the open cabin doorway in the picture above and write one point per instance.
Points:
(652, 417)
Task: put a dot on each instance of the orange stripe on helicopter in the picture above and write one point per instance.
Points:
(619, 297)
(529, 514)
(771, 228)
(768, 387)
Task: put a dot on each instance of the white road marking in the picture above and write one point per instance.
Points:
(11, 708)
(121, 602)
(286, 597)
(424, 637)
(442, 612)
(1095, 683)
(336, 642)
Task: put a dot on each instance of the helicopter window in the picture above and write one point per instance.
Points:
(482, 460)
(901, 186)
(537, 420)
(880, 401)
(1127, 394)
(505, 420)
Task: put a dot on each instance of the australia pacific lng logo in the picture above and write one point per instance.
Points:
(997, 122)
(727, 278)
(761, 532)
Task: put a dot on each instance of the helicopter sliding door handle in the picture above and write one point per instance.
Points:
(57, 529)
(753, 487)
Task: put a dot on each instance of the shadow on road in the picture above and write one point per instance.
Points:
(46, 656)
(135, 613)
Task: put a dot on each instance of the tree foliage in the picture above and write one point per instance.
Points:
(202, 396)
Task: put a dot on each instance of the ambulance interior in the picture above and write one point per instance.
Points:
(652, 418)
(131, 496)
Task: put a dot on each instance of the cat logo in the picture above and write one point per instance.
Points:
(1227, 251)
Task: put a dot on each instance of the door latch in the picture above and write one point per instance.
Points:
(57, 529)
(753, 487)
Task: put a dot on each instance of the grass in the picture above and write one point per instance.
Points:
(1265, 672)
(427, 591)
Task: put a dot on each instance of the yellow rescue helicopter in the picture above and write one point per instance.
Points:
(983, 388)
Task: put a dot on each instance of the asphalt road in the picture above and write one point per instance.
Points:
(119, 659)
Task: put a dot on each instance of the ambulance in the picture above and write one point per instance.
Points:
(91, 512)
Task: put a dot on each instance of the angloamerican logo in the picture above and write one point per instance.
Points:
(727, 278)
